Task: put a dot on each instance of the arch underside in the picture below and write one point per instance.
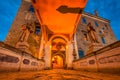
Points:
(59, 17)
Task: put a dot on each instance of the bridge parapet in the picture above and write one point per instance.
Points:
(106, 59)
(12, 59)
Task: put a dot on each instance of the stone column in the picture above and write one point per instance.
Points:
(42, 46)
(75, 46)
(69, 55)
(47, 56)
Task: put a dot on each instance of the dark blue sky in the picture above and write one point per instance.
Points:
(109, 9)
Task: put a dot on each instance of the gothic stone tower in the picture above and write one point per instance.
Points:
(101, 28)
(25, 30)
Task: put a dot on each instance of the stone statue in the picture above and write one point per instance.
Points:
(91, 34)
(22, 44)
(26, 30)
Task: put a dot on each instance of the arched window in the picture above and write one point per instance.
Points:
(103, 40)
(81, 53)
(96, 24)
(84, 20)
(31, 9)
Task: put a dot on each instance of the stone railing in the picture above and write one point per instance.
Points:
(106, 59)
(12, 59)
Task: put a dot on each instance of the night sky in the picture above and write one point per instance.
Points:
(109, 9)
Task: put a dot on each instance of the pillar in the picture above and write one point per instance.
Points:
(69, 56)
(47, 56)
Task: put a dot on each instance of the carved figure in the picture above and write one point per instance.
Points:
(26, 30)
(91, 33)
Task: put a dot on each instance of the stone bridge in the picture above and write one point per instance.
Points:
(103, 64)
(58, 20)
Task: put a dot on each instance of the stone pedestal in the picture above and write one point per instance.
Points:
(94, 47)
(24, 46)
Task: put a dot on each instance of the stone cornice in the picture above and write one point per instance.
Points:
(95, 17)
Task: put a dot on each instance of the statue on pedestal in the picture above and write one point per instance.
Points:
(22, 42)
(95, 45)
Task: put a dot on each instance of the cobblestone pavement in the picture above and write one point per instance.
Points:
(57, 74)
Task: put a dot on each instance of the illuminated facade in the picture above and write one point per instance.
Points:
(58, 38)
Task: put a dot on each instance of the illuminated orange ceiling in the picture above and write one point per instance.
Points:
(60, 16)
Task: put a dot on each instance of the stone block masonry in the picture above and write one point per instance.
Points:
(12, 59)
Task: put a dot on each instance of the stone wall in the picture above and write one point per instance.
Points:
(106, 59)
(12, 59)
(102, 30)
(24, 16)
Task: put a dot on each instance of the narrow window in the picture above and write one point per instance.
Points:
(101, 31)
(106, 26)
(103, 28)
(85, 37)
(103, 40)
(84, 20)
(31, 9)
(37, 28)
(81, 53)
(96, 24)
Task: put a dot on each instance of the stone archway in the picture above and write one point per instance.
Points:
(58, 52)
(58, 61)
(58, 44)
